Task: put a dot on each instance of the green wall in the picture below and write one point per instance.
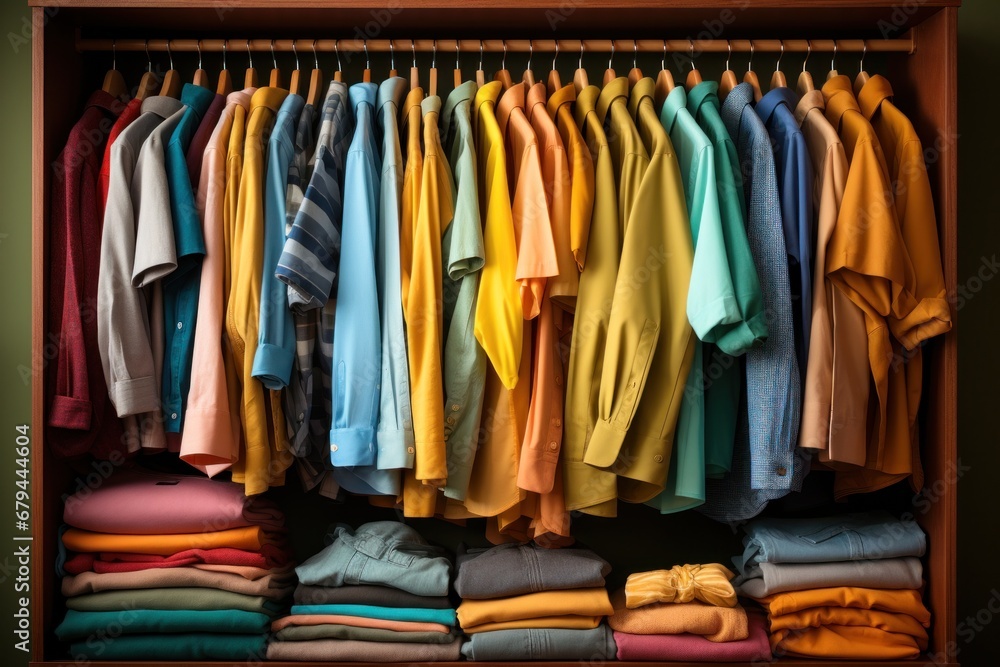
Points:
(979, 528)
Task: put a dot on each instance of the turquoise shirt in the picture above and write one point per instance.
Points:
(195, 646)
(723, 375)
(443, 616)
(180, 288)
(272, 362)
(79, 625)
(463, 256)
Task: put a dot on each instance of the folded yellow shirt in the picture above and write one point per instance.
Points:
(568, 622)
(818, 617)
(717, 624)
(249, 538)
(681, 583)
(579, 602)
(903, 601)
(846, 642)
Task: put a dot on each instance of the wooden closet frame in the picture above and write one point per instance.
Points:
(925, 82)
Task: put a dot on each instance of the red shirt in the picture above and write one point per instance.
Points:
(196, 149)
(129, 113)
(81, 418)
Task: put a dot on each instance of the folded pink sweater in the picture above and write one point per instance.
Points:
(694, 648)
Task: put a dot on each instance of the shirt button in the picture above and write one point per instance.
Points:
(658, 458)
(557, 422)
(302, 416)
(333, 448)
(454, 408)
(173, 415)
(781, 471)
(409, 450)
(180, 325)
(553, 445)
(450, 420)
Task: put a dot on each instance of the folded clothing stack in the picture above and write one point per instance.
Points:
(523, 602)
(845, 587)
(378, 594)
(689, 612)
(173, 567)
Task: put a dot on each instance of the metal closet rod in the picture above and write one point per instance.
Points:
(622, 47)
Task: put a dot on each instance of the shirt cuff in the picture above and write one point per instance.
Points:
(395, 449)
(930, 318)
(352, 447)
(69, 412)
(605, 443)
(136, 396)
(744, 336)
(272, 365)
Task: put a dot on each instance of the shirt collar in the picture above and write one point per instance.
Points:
(536, 100)
(363, 93)
(811, 100)
(240, 97)
(197, 98)
(565, 95)
(616, 89)
(291, 106)
(413, 99)
(430, 104)
(773, 99)
(874, 92)
(268, 97)
(513, 98)
(161, 105)
(586, 103)
(464, 93)
(706, 91)
(676, 100)
(106, 102)
(738, 99)
(642, 89)
(392, 91)
(839, 98)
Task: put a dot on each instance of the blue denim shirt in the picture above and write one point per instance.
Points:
(864, 536)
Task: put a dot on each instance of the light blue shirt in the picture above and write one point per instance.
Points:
(272, 362)
(357, 341)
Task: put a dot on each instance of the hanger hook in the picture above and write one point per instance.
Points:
(635, 53)
(434, 54)
(392, 55)
(458, 54)
(555, 55)
(691, 53)
(480, 55)
(199, 53)
(149, 61)
(170, 55)
(364, 44)
(296, 52)
(336, 47)
(579, 63)
(833, 60)
(750, 63)
(612, 57)
(809, 50)
(413, 50)
(114, 54)
(503, 62)
(531, 52)
(729, 55)
(315, 57)
(777, 65)
(663, 58)
(863, 54)
(249, 54)
(274, 59)
(225, 49)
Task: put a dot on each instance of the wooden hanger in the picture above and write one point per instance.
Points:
(457, 74)
(250, 78)
(414, 70)
(833, 63)
(172, 80)
(149, 85)
(366, 75)
(554, 82)
(694, 76)
(432, 84)
(274, 81)
(728, 80)
(503, 76)
(609, 73)
(778, 79)
(315, 80)
(863, 77)
(114, 82)
(529, 76)
(339, 74)
(805, 83)
(200, 75)
(751, 76)
(294, 83)
(664, 80)
(480, 73)
(580, 80)
(225, 78)
(634, 74)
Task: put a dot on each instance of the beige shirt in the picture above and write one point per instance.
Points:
(835, 400)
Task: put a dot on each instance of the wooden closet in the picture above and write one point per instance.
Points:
(925, 82)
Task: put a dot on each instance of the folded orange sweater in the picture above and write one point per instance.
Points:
(818, 617)
(717, 624)
(249, 538)
(549, 622)
(578, 602)
(846, 642)
(905, 601)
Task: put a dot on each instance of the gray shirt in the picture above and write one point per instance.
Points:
(542, 644)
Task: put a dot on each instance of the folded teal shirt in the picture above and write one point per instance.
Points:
(444, 616)
(194, 646)
(82, 624)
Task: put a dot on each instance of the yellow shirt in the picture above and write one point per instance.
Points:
(650, 342)
(412, 176)
(261, 413)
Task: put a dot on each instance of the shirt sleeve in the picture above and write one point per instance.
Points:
(536, 250)
(356, 341)
(155, 253)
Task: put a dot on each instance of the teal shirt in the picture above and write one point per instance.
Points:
(195, 646)
(180, 288)
(722, 373)
(79, 625)
(463, 256)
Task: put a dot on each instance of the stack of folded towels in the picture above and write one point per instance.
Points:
(171, 567)
(689, 613)
(845, 587)
(378, 594)
(523, 602)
